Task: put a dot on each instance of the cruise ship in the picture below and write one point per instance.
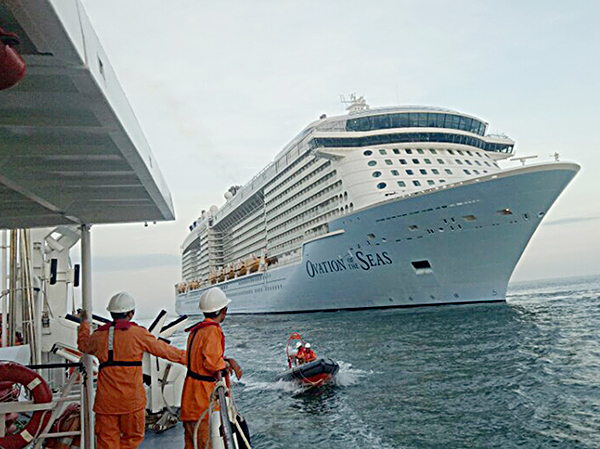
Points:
(387, 207)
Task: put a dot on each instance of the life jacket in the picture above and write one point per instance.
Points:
(194, 330)
(110, 327)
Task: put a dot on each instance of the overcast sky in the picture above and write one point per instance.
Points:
(220, 87)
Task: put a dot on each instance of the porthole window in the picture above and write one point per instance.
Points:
(435, 171)
(416, 183)
(448, 171)
(368, 153)
(409, 151)
(458, 161)
(467, 172)
(416, 161)
(376, 174)
(402, 161)
(388, 162)
(381, 185)
(468, 162)
(433, 151)
(430, 182)
(450, 152)
(372, 163)
(409, 172)
(395, 173)
(441, 161)
(396, 151)
(476, 172)
(420, 151)
(460, 152)
(427, 161)
(469, 153)
(423, 171)
(401, 184)
(382, 152)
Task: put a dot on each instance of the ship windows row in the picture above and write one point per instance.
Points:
(426, 161)
(290, 177)
(416, 120)
(423, 137)
(422, 151)
(433, 171)
(415, 182)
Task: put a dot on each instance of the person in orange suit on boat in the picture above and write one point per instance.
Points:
(309, 355)
(120, 396)
(206, 357)
(300, 353)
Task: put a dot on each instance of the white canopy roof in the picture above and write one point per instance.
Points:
(71, 149)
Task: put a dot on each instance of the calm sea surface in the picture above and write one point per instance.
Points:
(525, 373)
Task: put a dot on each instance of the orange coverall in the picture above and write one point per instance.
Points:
(120, 397)
(205, 357)
(310, 356)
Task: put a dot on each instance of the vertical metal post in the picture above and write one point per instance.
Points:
(86, 305)
(3, 290)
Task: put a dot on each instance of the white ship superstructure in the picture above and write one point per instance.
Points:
(377, 208)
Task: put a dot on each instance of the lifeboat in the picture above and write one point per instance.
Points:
(253, 264)
(194, 285)
(212, 277)
(310, 374)
(241, 269)
(12, 65)
(221, 275)
(230, 271)
(182, 288)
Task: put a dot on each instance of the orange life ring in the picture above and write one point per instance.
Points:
(15, 373)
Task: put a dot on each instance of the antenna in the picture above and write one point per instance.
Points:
(522, 159)
(556, 156)
(354, 104)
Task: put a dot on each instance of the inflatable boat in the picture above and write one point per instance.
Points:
(312, 373)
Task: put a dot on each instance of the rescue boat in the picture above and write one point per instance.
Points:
(311, 374)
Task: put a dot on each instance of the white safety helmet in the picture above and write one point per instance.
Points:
(120, 303)
(213, 300)
(298, 345)
(307, 345)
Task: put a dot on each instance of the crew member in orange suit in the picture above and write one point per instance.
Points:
(206, 357)
(120, 397)
(300, 353)
(309, 355)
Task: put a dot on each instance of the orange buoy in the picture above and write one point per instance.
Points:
(12, 65)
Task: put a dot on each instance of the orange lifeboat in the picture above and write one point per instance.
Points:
(194, 285)
(241, 268)
(230, 271)
(221, 275)
(253, 263)
(212, 277)
(12, 65)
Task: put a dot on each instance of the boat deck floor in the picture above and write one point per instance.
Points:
(167, 439)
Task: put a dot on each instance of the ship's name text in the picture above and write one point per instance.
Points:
(363, 261)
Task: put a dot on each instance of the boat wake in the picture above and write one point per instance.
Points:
(347, 375)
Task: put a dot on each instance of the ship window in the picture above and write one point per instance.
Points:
(450, 152)
(408, 151)
(413, 227)
(396, 151)
(476, 172)
(477, 153)
(416, 161)
(382, 152)
(432, 151)
(505, 211)
(430, 182)
(442, 180)
(395, 173)
(468, 162)
(526, 216)
(402, 161)
(441, 161)
(460, 152)
(368, 153)
(376, 174)
(409, 172)
(487, 163)
(435, 171)
(421, 265)
(372, 163)
(448, 171)
(401, 184)
(469, 218)
(420, 151)
(388, 162)
(427, 161)
(467, 172)
(478, 163)
(496, 165)
(458, 161)
(423, 171)
(381, 185)
(416, 183)
(469, 153)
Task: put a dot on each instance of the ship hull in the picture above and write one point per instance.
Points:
(445, 246)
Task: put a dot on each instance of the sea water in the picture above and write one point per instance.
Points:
(525, 373)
